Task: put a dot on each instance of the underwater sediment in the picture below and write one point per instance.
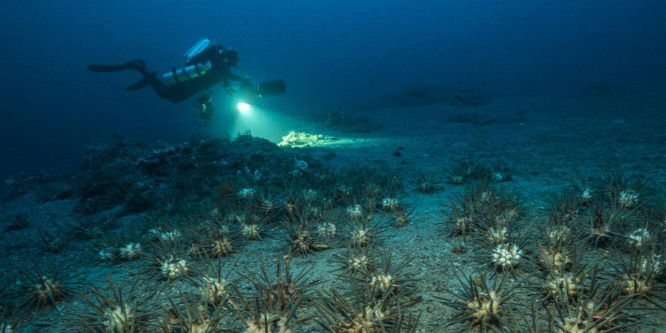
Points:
(241, 235)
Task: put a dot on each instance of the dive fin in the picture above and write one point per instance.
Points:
(137, 65)
(145, 80)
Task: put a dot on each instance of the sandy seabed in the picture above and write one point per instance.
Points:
(557, 138)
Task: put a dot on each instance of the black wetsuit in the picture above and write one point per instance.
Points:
(220, 73)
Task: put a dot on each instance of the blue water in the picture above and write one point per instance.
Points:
(328, 52)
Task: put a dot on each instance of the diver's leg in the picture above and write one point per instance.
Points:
(149, 78)
(137, 65)
(160, 88)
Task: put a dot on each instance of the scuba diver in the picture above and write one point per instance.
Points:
(206, 65)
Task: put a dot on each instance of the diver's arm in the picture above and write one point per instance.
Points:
(228, 86)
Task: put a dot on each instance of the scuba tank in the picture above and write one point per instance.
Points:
(201, 45)
(191, 71)
(185, 73)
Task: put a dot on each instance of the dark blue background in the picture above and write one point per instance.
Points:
(329, 52)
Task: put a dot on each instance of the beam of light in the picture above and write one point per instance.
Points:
(244, 108)
(259, 121)
(265, 123)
